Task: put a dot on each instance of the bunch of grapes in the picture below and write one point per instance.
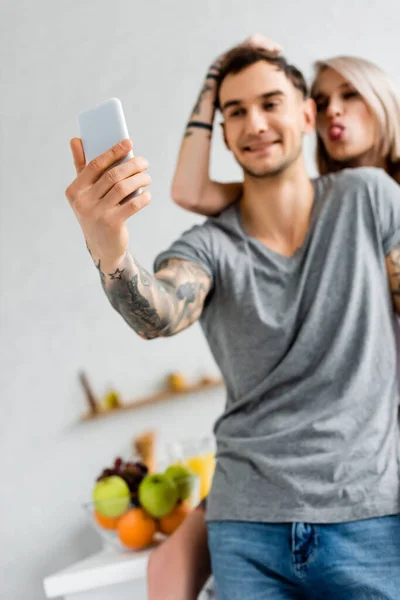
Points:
(131, 472)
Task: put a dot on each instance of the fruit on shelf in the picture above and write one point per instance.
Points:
(176, 382)
(136, 529)
(172, 520)
(183, 477)
(111, 400)
(158, 495)
(111, 496)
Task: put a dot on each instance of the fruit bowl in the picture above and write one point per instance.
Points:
(132, 509)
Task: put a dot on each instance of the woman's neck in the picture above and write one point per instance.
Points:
(368, 159)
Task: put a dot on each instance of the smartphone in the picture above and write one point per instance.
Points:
(101, 128)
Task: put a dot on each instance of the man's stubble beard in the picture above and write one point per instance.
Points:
(268, 174)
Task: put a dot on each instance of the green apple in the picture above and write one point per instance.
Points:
(111, 496)
(184, 478)
(158, 495)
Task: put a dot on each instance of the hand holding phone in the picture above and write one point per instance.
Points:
(101, 128)
(105, 194)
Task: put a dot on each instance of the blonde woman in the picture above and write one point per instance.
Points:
(358, 124)
(358, 116)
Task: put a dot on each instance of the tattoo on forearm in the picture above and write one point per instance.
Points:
(102, 275)
(142, 316)
(194, 122)
(145, 277)
(206, 88)
(216, 66)
(159, 305)
(117, 274)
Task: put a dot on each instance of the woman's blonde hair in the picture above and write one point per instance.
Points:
(379, 92)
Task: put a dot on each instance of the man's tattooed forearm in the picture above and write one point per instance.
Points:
(117, 274)
(145, 277)
(148, 280)
(102, 275)
(136, 309)
(159, 305)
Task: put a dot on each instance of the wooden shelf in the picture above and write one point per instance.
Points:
(154, 398)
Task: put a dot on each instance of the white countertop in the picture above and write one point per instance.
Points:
(107, 567)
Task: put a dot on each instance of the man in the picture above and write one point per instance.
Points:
(291, 288)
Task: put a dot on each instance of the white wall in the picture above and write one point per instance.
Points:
(59, 57)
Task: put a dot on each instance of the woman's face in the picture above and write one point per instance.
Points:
(345, 123)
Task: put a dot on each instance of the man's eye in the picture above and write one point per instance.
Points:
(236, 113)
(270, 105)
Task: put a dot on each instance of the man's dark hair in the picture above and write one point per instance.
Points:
(241, 57)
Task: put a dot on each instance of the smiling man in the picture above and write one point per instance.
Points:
(296, 287)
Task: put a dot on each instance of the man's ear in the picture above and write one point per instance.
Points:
(309, 114)
(224, 134)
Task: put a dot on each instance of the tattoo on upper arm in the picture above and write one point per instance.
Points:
(191, 285)
(188, 291)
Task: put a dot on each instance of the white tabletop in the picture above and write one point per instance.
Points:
(107, 567)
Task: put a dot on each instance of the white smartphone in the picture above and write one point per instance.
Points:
(101, 128)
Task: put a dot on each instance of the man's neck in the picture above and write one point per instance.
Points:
(276, 210)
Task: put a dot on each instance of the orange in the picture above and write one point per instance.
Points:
(170, 522)
(106, 522)
(136, 529)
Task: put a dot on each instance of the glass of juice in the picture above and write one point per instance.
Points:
(199, 455)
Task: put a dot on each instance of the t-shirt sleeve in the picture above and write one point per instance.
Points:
(194, 245)
(386, 198)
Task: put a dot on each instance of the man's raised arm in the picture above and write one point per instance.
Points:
(153, 305)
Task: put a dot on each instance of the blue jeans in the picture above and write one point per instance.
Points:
(359, 560)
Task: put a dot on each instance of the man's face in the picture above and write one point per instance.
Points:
(265, 117)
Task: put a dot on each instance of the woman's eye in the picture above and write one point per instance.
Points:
(351, 94)
(270, 105)
(236, 113)
(321, 105)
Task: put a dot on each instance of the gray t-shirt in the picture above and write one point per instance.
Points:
(306, 345)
